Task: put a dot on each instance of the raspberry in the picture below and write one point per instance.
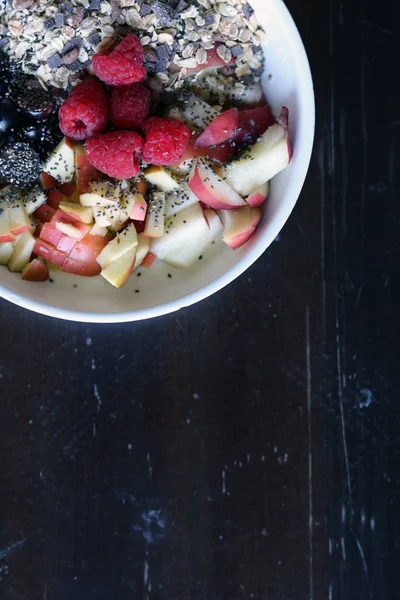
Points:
(166, 141)
(117, 154)
(130, 106)
(85, 111)
(124, 65)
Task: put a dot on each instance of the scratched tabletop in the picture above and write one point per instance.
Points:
(248, 446)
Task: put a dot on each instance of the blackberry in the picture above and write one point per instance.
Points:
(42, 137)
(33, 102)
(19, 164)
(10, 121)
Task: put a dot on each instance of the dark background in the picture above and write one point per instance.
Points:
(246, 447)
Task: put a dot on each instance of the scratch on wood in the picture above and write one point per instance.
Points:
(7, 550)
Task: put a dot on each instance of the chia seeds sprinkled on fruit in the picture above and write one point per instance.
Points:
(19, 164)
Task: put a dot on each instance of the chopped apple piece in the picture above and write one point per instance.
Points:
(179, 200)
(118, 271)
(123, 241)
(91, 199)
(154, 227)
(162, 178)
(36, 270)
(19, 220)
(219, 130)
(184, 234)
(47, 181)
(139, 211)
(106, 189)
(239, 225)
(258, 196)
(82, 213)
(33, 199)
(22, 252)
(211, 189)
(76, 231)
(80, 267)
(142, 249)
(85, 171)
(214, 61)
(260, 162)
(98, 230)
(133, 200)
(6, 250)
(61, 163)
(198, 113)
(5, 231)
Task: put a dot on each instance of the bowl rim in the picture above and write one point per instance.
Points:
(307, 131)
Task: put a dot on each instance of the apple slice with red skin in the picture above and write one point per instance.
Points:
(54, 197)
(142, 249)
(75, 231)
(88, 249)
(85, 171)
(49, 252)
(19, 220)
(283, 121)
(68, 188)
(139, 210)
(62, 217)
(22, 252)
(36, 271)
(239, 225)
(211, 189)
(259, 195)
(149, 259)
(5, 231)
(66, 244)
(251, 124)
(219, 130)
(82, 268)
(6, 250)
(214, 61)
(51, 234)
(47, 181)
(81, 213)
(119, 270)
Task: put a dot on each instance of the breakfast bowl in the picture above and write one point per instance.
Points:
(162, 289)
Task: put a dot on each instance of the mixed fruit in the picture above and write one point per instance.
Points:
(138, 175)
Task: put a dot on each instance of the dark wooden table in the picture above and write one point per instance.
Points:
(247, 447)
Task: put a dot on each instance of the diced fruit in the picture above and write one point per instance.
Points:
(258, 196)
(239, 225)
(63, 217)
(6, 250)
(162, 178)
(141, 186)
(5, 231)
(219, 130)
(283, 120)
(184, 167)
(124, 241)
(54, 197)
(139, 211)
(88, 249)
(94, 200)
(68, 189)
(250, 95)
(211, 189)
(33, 199)
(49, 252)
(47, 181)
(51, 234)
(155, 216)
(142, 249)
(77, 231)
(188, 254)
(85, 172)
(44, 213)
(82, 213)
(36, 270)
(184, 239)
(118, 271)
(108, 190)
(214, 61)
(252, 123)
(198, 113)
(82, 268)
(66, 244)
(98, 230)
(61, 163)
(22, 252)
(178, 200)
(114, 217)
(260, 162)
(19, 220)
(149, 259)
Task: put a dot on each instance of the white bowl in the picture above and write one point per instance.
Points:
(95, 300)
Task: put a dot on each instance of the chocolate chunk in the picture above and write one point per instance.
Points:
(86, 64)
(149, 54)
(166, 15)
(54, 61)
(247, 10)
(161, 66)
(59, 20)
(151, 67)
(49, 24)
(237, 51)
(181, 6)
(209, 19)
(71, 57)
(164, 52)
(145, 10)
(3, 42)
(77, 42)
(94, 39)
(75, 66)
(95, 5)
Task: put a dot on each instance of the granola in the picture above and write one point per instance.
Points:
(56, 41)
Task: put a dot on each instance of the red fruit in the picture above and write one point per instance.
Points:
(130, 106)
(117, 154)
(44, 213)
(219, 130)
(54, 197)
(122, 66)
(252, 123)
(166, 141)
(214, 61)
(78, 267)
(35, 271)
(49, 252)
(85, 111)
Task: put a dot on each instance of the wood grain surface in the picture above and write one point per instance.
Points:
(248, 446)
